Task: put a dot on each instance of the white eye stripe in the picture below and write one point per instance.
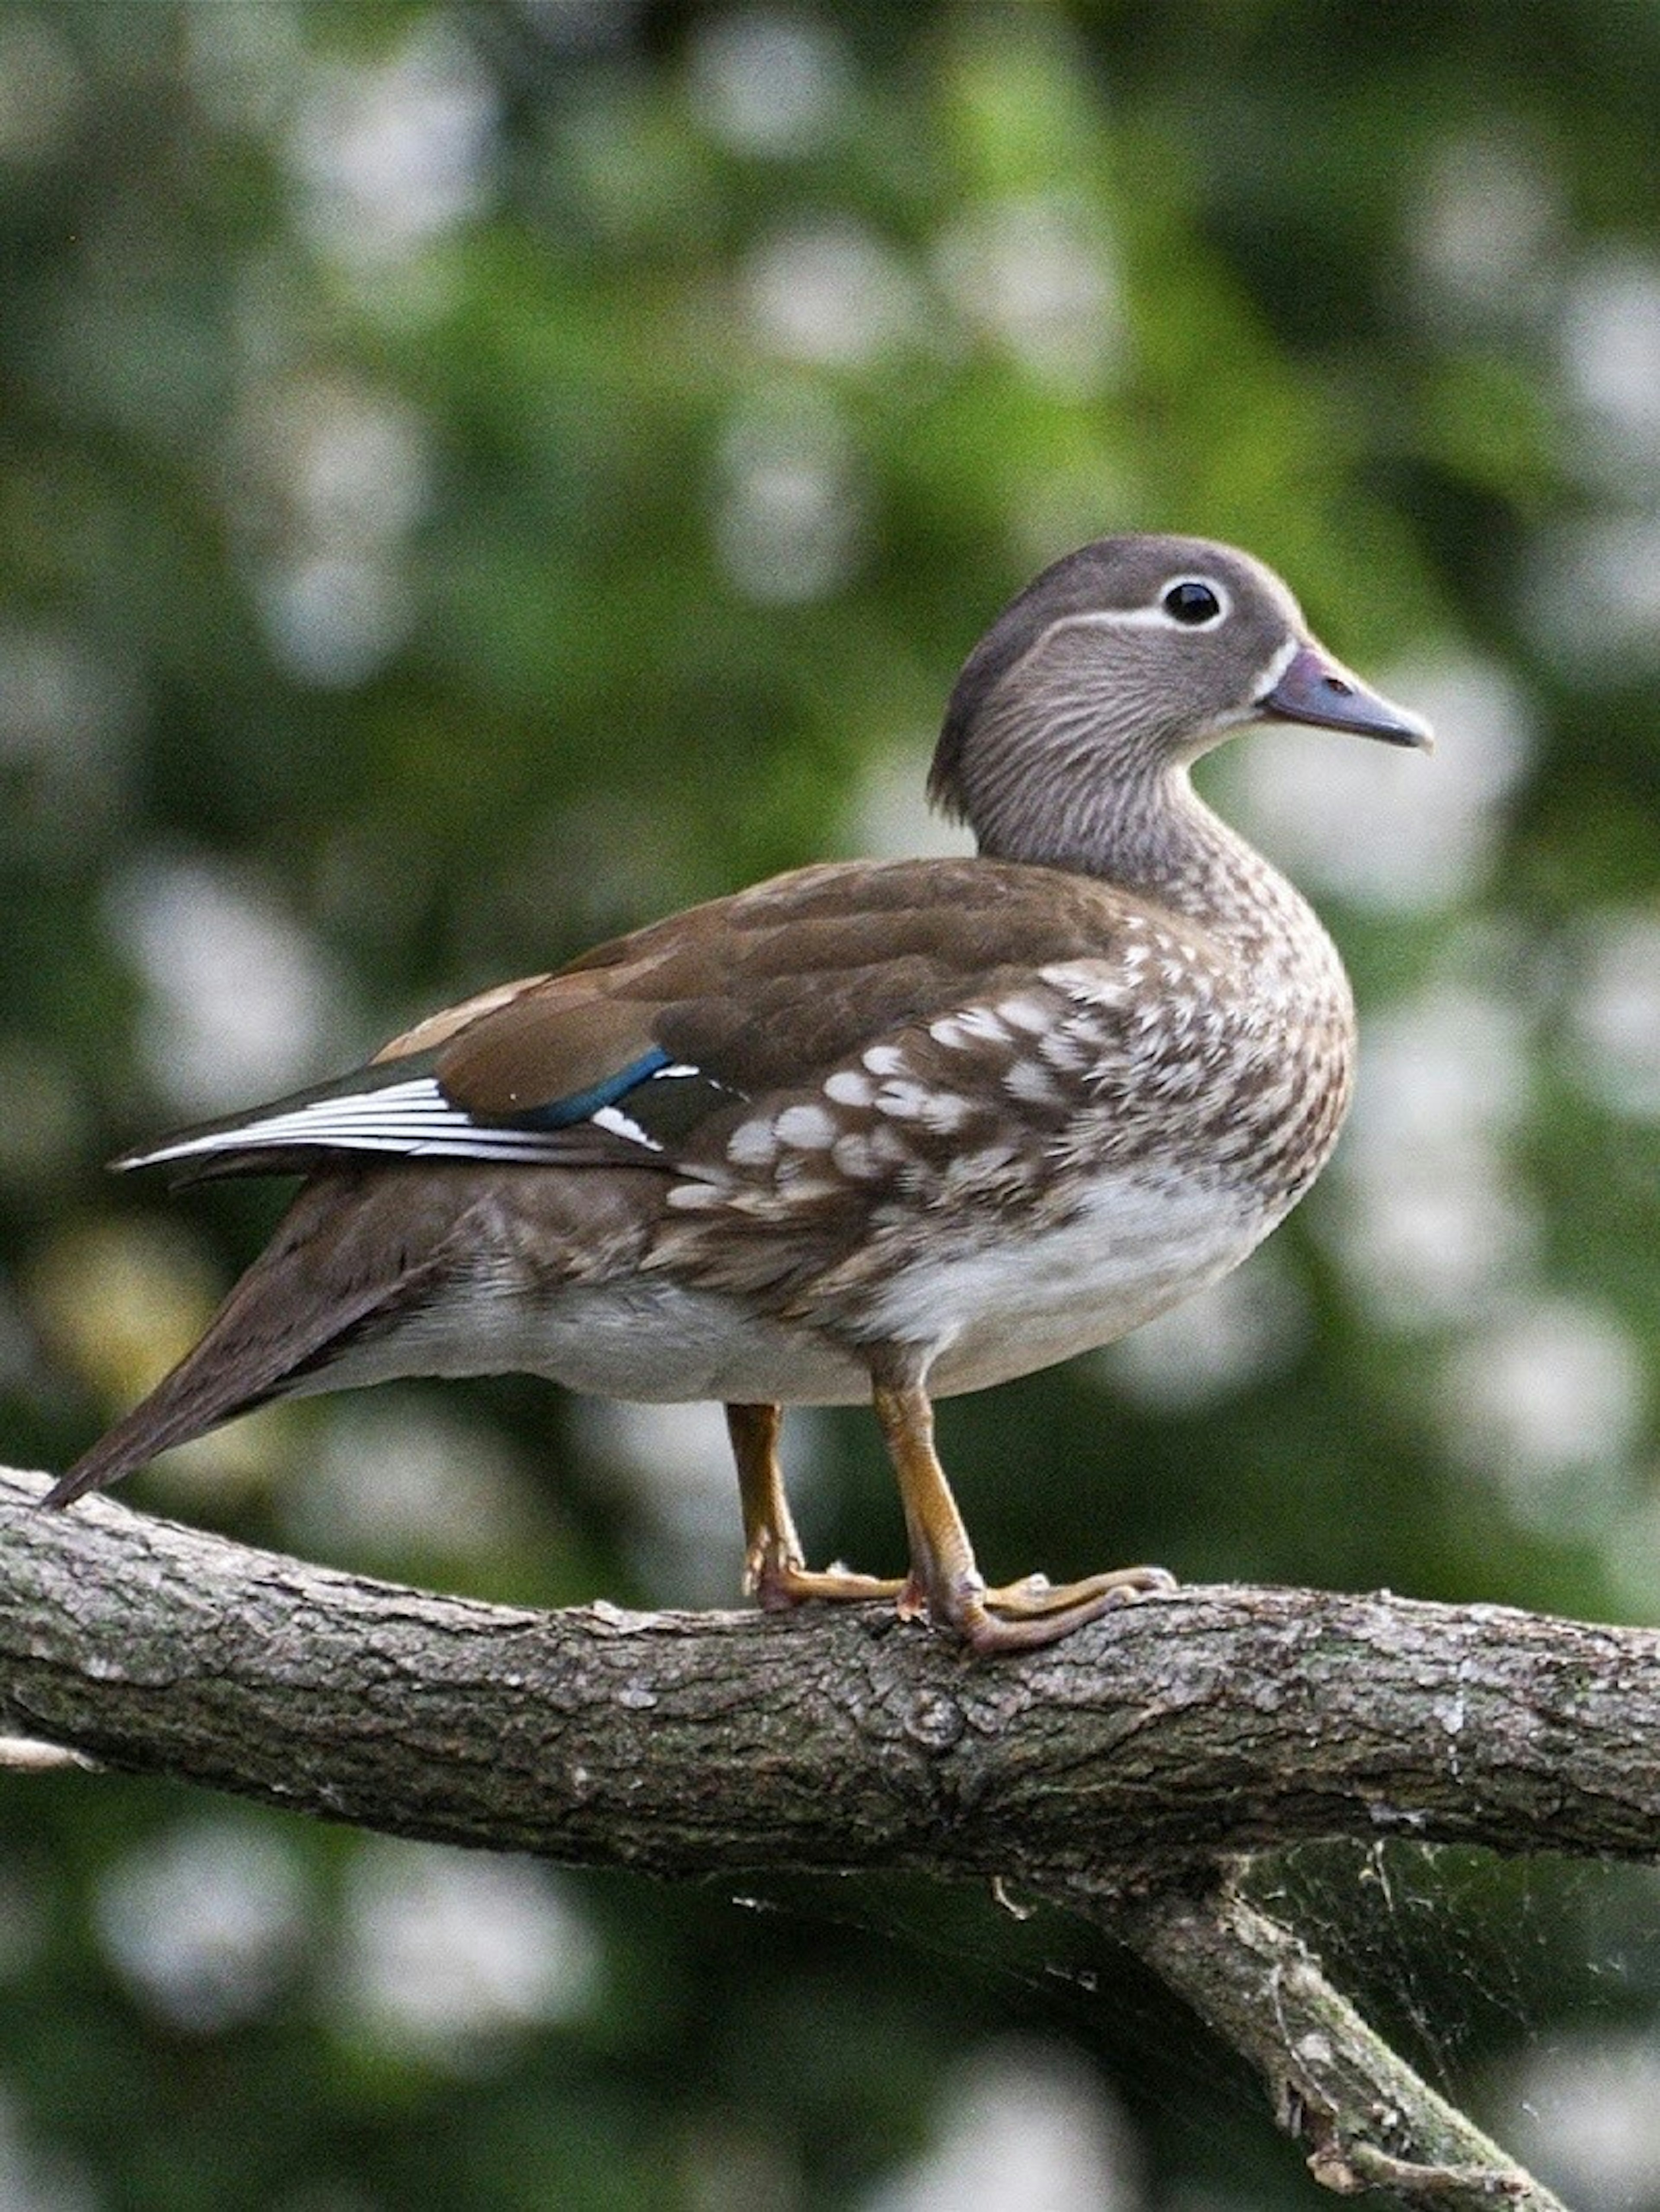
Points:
(1156, 616)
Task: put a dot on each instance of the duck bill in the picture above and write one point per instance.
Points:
(1314, 689)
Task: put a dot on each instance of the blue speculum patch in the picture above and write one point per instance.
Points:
(560, 1113)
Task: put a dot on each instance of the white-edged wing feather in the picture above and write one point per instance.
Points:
(413, 1119)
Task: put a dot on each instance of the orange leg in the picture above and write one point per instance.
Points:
(775, 1569)
(944, 1579)
(944, 1582)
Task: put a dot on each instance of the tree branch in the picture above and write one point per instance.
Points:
(1371, 2122)
(1114, 1773)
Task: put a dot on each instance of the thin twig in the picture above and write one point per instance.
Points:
(1370, 2120)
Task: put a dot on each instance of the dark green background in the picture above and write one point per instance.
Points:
(473, 477)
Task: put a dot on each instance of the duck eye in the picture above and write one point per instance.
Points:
(1191, 603)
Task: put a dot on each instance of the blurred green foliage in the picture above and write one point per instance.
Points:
(474, 476)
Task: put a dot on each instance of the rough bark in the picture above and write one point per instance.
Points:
(1118, 1774)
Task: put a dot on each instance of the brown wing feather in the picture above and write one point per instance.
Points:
(761, 989)
(557, 1039)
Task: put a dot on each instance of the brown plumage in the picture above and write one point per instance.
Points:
(893, 1129)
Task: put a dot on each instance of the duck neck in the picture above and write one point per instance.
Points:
(1155, 836)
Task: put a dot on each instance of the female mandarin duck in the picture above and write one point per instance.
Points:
(896, 1128)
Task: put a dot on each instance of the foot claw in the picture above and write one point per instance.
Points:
(1026, 1616)
(779, 1581)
